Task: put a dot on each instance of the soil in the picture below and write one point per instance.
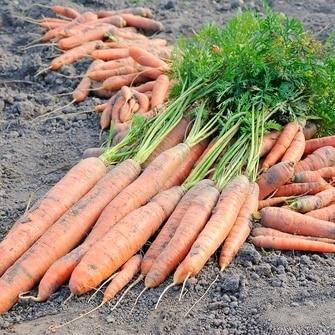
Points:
(261, 293)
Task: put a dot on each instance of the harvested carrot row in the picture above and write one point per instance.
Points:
(296, 149)
(269, 141)
(301, 189)
(326, 213)
(317, 143)
(72, 187)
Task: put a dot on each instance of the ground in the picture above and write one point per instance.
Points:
(261, 293)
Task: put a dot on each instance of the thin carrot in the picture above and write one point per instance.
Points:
(154, 42)
(92, 152)
(300, 189)
(73, 186)
(296, 149)
(160, 90)
(282, 243)
(122, 241)
(101, 75)
(282, 144)
(295, 223)
(241, 228)
(216, 230)
(145, 58)
(317, 143)
(111, 54)
(106, 115)
(65, 11)
(320, 158)
(269, 141)
(274, 177)
(326, 213)
(272, 201)
(262, 231)
(142, 22)
(193, 221)
(141, 11)
(310, 130)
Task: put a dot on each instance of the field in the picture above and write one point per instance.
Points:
(261, 293)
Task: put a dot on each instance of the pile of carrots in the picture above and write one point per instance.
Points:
(122, 58)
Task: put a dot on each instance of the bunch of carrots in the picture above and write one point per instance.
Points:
(122, 58)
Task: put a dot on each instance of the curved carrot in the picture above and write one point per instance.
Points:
(325, 213)
(65, 11)
(296, 149)
(116, 107)
(193, 221)
(50, 24)
(274, 177)
(317, 143)
(284, 140)
(146, 58)
(106, 115)
(241, 228)
(301, 188)
(268, 142)
(295, 223)
(142, 22)
(151, 72)
(73, 186)
(122, 241)
(216, 230)
(160, 90)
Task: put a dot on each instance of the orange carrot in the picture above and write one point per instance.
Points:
(310, 130)
(106, 115)
(241, 228)
(141, 11)
(100, 108)
(115, 63)
(110, 54)
(125, 114)
(115, 20)
(65, 11)
(269, 141)
(143, 102)
(282, 243)
(122, 241)
(145, 58)
(327, 172)
(160, 90)
(101, 75)
(307, 177)
(116, 82)
(300, 189)
(73, 186)
(272, 201)
(216, 230)
(142, 23)
(262, 231)
(284, 141)
(74, 54)
(320, 158)
(295, 223)
(317, 143)
(148, 86)
(50, 24)
(169, 228)
(151, 72)
(274, 177)
(117, 105)
(296, 149)
(325, 213)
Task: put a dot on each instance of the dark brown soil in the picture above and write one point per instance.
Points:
(261, 293)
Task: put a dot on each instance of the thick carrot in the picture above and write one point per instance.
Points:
(216, 230)
(125, 114)
(295, 223)
(193, 221)
(142, 22)
(100, 108)
(149, 183)
(274, 177)
(326, 213)
(143, 102)
(169, 228)
(300, 189)
(73, 186)
(146, 87)
(116, 82)
(296, 149)
(111, 54)
(268, 142)
(282, 243)
(327, 172)
(115, 20)
(65, 11)
(241, 228)
(317, 143)
(151, 72)
(320, 158)
(307, 177)
(310, 130)
(74, 54)
(141, 11)
(282, 144)
(160, 90)
(101, 75)
(115, 63)
(272, 201)
(310, 203)
(122, 241)
(146, 58)
(262, 231)
(80, 219)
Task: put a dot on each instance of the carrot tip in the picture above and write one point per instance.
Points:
(23, 296)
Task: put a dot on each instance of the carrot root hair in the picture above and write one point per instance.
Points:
(183, 287)
(24, 296)
(162, 294)
(138, 297)
(68, 298)
(102, 285)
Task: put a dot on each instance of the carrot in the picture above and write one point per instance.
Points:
(65, 11)
(106, 116)
(110, 54)
(262, 231)
(100, 108)
(307, 177)
(50, 24)
(193, 221)
(169, 228)
(145, 58)
(296, 149)
(146, 87)
(282, 243)
(186, 167)
(143, 102)
(216, 230)
(151, 72)
(101, 75)
(155, 42)
(125, 114)
(268, 142)
(115, 20)
(115, 63)
(241, 228)
(116, 82)
(295, 223)
(160, 90)
(284, 140)
(117, 105)
(141, 11)
(274, 177)
(301, 189)
(327, 172)
(272, 201)
(125, 275)
(92, 152)
(74, 54)
(317, 143)
(320, 158)
(73, 186)
(325, 213)
(122, 241)
(142, 23)
(310, 130)
(309, 203)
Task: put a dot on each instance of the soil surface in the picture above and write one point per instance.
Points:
(261, 293)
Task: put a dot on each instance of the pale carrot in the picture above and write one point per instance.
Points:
(296, 149)
(142, 22)
(65, 11)
(160, 90)
(141, 11)
(326, 213)
(301, 189)
(310, 130)
(111, 54)
(268, 142)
